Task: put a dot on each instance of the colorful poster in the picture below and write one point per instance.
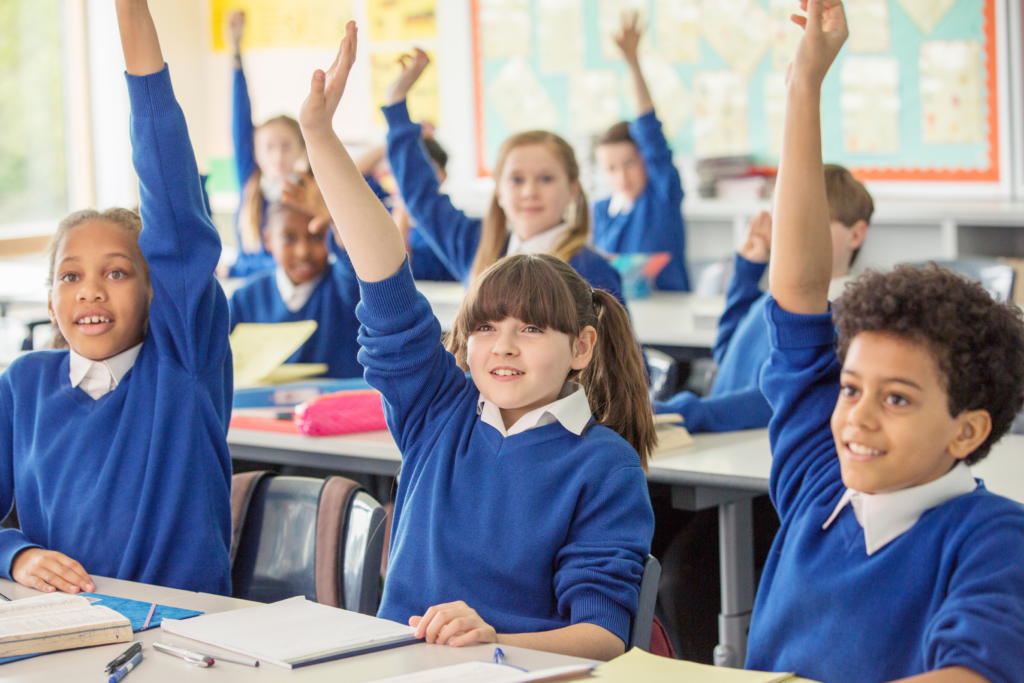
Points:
(423, 102)
(594, 101)
(504, 27)
(678, 27)
(775, 110)
(271, 24)
(926, 13)
(401, 19)
(785, 35)
(736, 31)
(561, 42)
(609, 23)
(870, 105)
(720, 107)
(520, 99)
(869, 25)
(950, 82)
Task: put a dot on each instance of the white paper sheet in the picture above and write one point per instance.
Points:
(677, 23)
(720, 104)
(673, 101)
(950, 82)
(869, 25)
(785, 35)
(774, 89)
(504, 28)
(594, 101)
(482, 672)
(736, 31)
(927, 13)
(520, 99)
(609, 23)
(561, 42)
(870, 104)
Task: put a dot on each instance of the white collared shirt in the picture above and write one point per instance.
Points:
(99, 377)
(295, 296)
(620, 203)
(541, 243)
(886, 516)
(571, 409)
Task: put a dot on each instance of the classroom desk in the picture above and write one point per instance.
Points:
(88, 663)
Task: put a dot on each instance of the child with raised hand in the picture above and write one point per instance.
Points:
(115, 449)
(538, 206)
(522, 516)
(644, 213)
(892, 561)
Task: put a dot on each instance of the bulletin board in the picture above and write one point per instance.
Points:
(915, 95)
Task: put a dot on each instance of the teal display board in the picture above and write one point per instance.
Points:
(912, 96)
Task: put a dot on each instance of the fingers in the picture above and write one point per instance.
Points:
(81, 577)
(815, 15)
(477, 635)
(414, 621)
(799, 20)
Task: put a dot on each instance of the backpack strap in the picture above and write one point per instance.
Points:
(242, 488)
(331, 522)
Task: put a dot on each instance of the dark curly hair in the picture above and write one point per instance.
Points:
(977, 343)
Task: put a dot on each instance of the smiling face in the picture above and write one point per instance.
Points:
(534, 190)
(520, 367)
(301, 254)
(892, 424)
(278, 149)
(624, 167)
(100, 292)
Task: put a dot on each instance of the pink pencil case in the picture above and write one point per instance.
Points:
(343, 412)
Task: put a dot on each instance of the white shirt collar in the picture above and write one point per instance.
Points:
(886, 516)
(620, 203)
(295, 296)
(541, 243)
(571, 409)
(99, 377)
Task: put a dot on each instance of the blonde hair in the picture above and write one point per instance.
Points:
(250, 215)
(494, 232)
(615, 379)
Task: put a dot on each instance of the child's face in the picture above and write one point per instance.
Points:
(846, 240)
(534, 190)
(279, 151)
(301, 254)
(100, 274)
(520, 367)
(624, 168)
(891, 424)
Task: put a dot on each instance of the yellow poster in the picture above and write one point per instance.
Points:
(401, 19)
(423, 104)
(271, 24)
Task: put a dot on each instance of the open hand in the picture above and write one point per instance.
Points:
(236, 24)
(306, 197)
(49, 570)
(825, 31)
(325, 91)
(759, 239)
(412, 67)
(628, 37)
(454, 623)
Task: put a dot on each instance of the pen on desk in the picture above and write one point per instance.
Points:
(192, 658)
(149, 617)
(4, 598)
(118, 675)
(123, 658)
(234, 659)
(499, 658)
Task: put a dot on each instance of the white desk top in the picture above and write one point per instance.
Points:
(88, 663)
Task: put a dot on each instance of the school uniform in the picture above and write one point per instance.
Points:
(653, 222)
(536, 528)
(123, 464)
(741, 349)
(330, 300)
(862, 587)
(452, 235)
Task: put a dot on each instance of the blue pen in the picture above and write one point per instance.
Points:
(123, 671)
(499, 658)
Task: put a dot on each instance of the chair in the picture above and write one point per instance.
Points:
(664, 373)
(997, 278)
(321, 538)
(640, 629)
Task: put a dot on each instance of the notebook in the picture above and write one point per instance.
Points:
(259, 352)
(58, 621)
(294, 632)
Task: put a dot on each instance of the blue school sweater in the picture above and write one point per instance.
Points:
(136, 485)
(735, 400)
(948, 592)
(332, 305)
(450, 233)
(656, 221)
(536, 531)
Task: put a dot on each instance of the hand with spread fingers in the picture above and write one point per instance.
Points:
(412, 68)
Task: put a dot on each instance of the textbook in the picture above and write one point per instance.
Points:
(672, 435)
(58, 621)
(294, 632)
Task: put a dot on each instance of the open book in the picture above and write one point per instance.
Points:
(58, 621)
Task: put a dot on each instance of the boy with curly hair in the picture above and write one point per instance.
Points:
(892, 560)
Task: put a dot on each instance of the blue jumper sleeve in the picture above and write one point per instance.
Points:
(801, 383)
(450, 233)
(405, 360)
(727, 412)
(12, 541)
(743, 292)
(188, 316)
(662, 174)
(242, 129)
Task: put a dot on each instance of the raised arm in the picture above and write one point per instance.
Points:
(363, 224)
(241, 106)
(751, 260)
(139, 41)
(801, 265)
(628, 40)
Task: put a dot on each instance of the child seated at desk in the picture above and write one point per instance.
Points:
(523, 515)
(893, 561)
(735, 400)
(115, 449)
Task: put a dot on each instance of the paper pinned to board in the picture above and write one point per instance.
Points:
(401, 19)
(561, 42)
(672, 99)
(637, 665)
(422, 99)
(521, 101)
(775, 110)
(273, 24)
(785, 35)
(736, 31)
(609, 23)
(258, 349)
(926, 13)
(869, 25)
(504, 28)
(594, 101)
(870, 103)
(720, 104)
(951, 101)
(678, 26)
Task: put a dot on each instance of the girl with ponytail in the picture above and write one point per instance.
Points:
(522, 516)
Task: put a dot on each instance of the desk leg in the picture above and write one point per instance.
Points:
(736, 552)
